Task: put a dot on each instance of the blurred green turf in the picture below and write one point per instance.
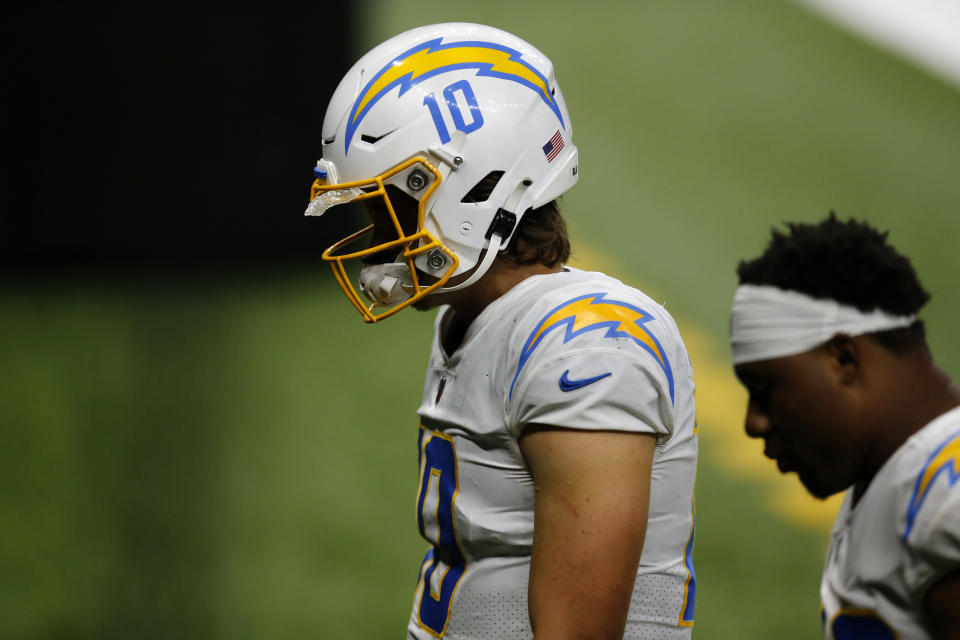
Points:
(236, 458)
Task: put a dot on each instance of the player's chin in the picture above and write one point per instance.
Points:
(816, 486)
(427, 303)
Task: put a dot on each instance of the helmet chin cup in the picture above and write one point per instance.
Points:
(386, 284)
(467, 120)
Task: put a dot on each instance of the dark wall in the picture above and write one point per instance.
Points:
(142, 134)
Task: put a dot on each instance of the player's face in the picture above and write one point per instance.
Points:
(384, 229)
(805, 416)
(406, 209)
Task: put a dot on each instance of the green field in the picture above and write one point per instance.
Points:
(235, 457)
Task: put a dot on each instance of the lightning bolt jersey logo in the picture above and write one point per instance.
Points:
(944, 461)
(434, 57)
(594, 312)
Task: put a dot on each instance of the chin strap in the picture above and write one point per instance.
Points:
(492, 249)
(386, 284)
(501, 227)
(391, 283)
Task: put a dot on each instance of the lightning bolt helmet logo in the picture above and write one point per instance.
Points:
(434, 57)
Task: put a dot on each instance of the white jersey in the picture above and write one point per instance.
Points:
(901, 537)
(572, 349)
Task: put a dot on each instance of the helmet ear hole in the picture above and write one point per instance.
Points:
(482, 190)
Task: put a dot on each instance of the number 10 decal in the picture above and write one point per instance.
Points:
(456, 110)
(444, 564)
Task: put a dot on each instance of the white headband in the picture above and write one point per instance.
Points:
(767, 322)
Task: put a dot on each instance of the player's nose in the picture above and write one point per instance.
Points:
(757, 422)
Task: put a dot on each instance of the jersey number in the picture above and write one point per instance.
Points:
(444, 564)
(456, 109)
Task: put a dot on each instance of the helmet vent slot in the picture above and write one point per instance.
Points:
(374, 139)
(482, 190)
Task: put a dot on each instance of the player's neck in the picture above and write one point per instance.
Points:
(470, 302)
(918, 392)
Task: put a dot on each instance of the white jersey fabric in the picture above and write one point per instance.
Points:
(573, 349)
(900, 538)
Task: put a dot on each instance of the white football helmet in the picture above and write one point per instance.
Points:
(432, 112)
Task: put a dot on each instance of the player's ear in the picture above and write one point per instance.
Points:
(845, 357)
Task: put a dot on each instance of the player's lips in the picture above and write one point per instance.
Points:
(777, 455)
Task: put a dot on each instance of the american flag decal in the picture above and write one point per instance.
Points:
(553, 147)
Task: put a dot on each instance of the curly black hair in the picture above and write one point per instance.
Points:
(850, 262)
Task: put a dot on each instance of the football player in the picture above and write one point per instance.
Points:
(557, 441)
(844, 391)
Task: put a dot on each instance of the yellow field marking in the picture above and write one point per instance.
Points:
(721, 403)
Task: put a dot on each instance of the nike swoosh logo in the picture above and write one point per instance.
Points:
(566, 384)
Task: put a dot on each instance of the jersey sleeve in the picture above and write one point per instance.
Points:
(595, 356)
(932, 530)
(593, 389)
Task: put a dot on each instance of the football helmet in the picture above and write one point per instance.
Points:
(467, 125)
